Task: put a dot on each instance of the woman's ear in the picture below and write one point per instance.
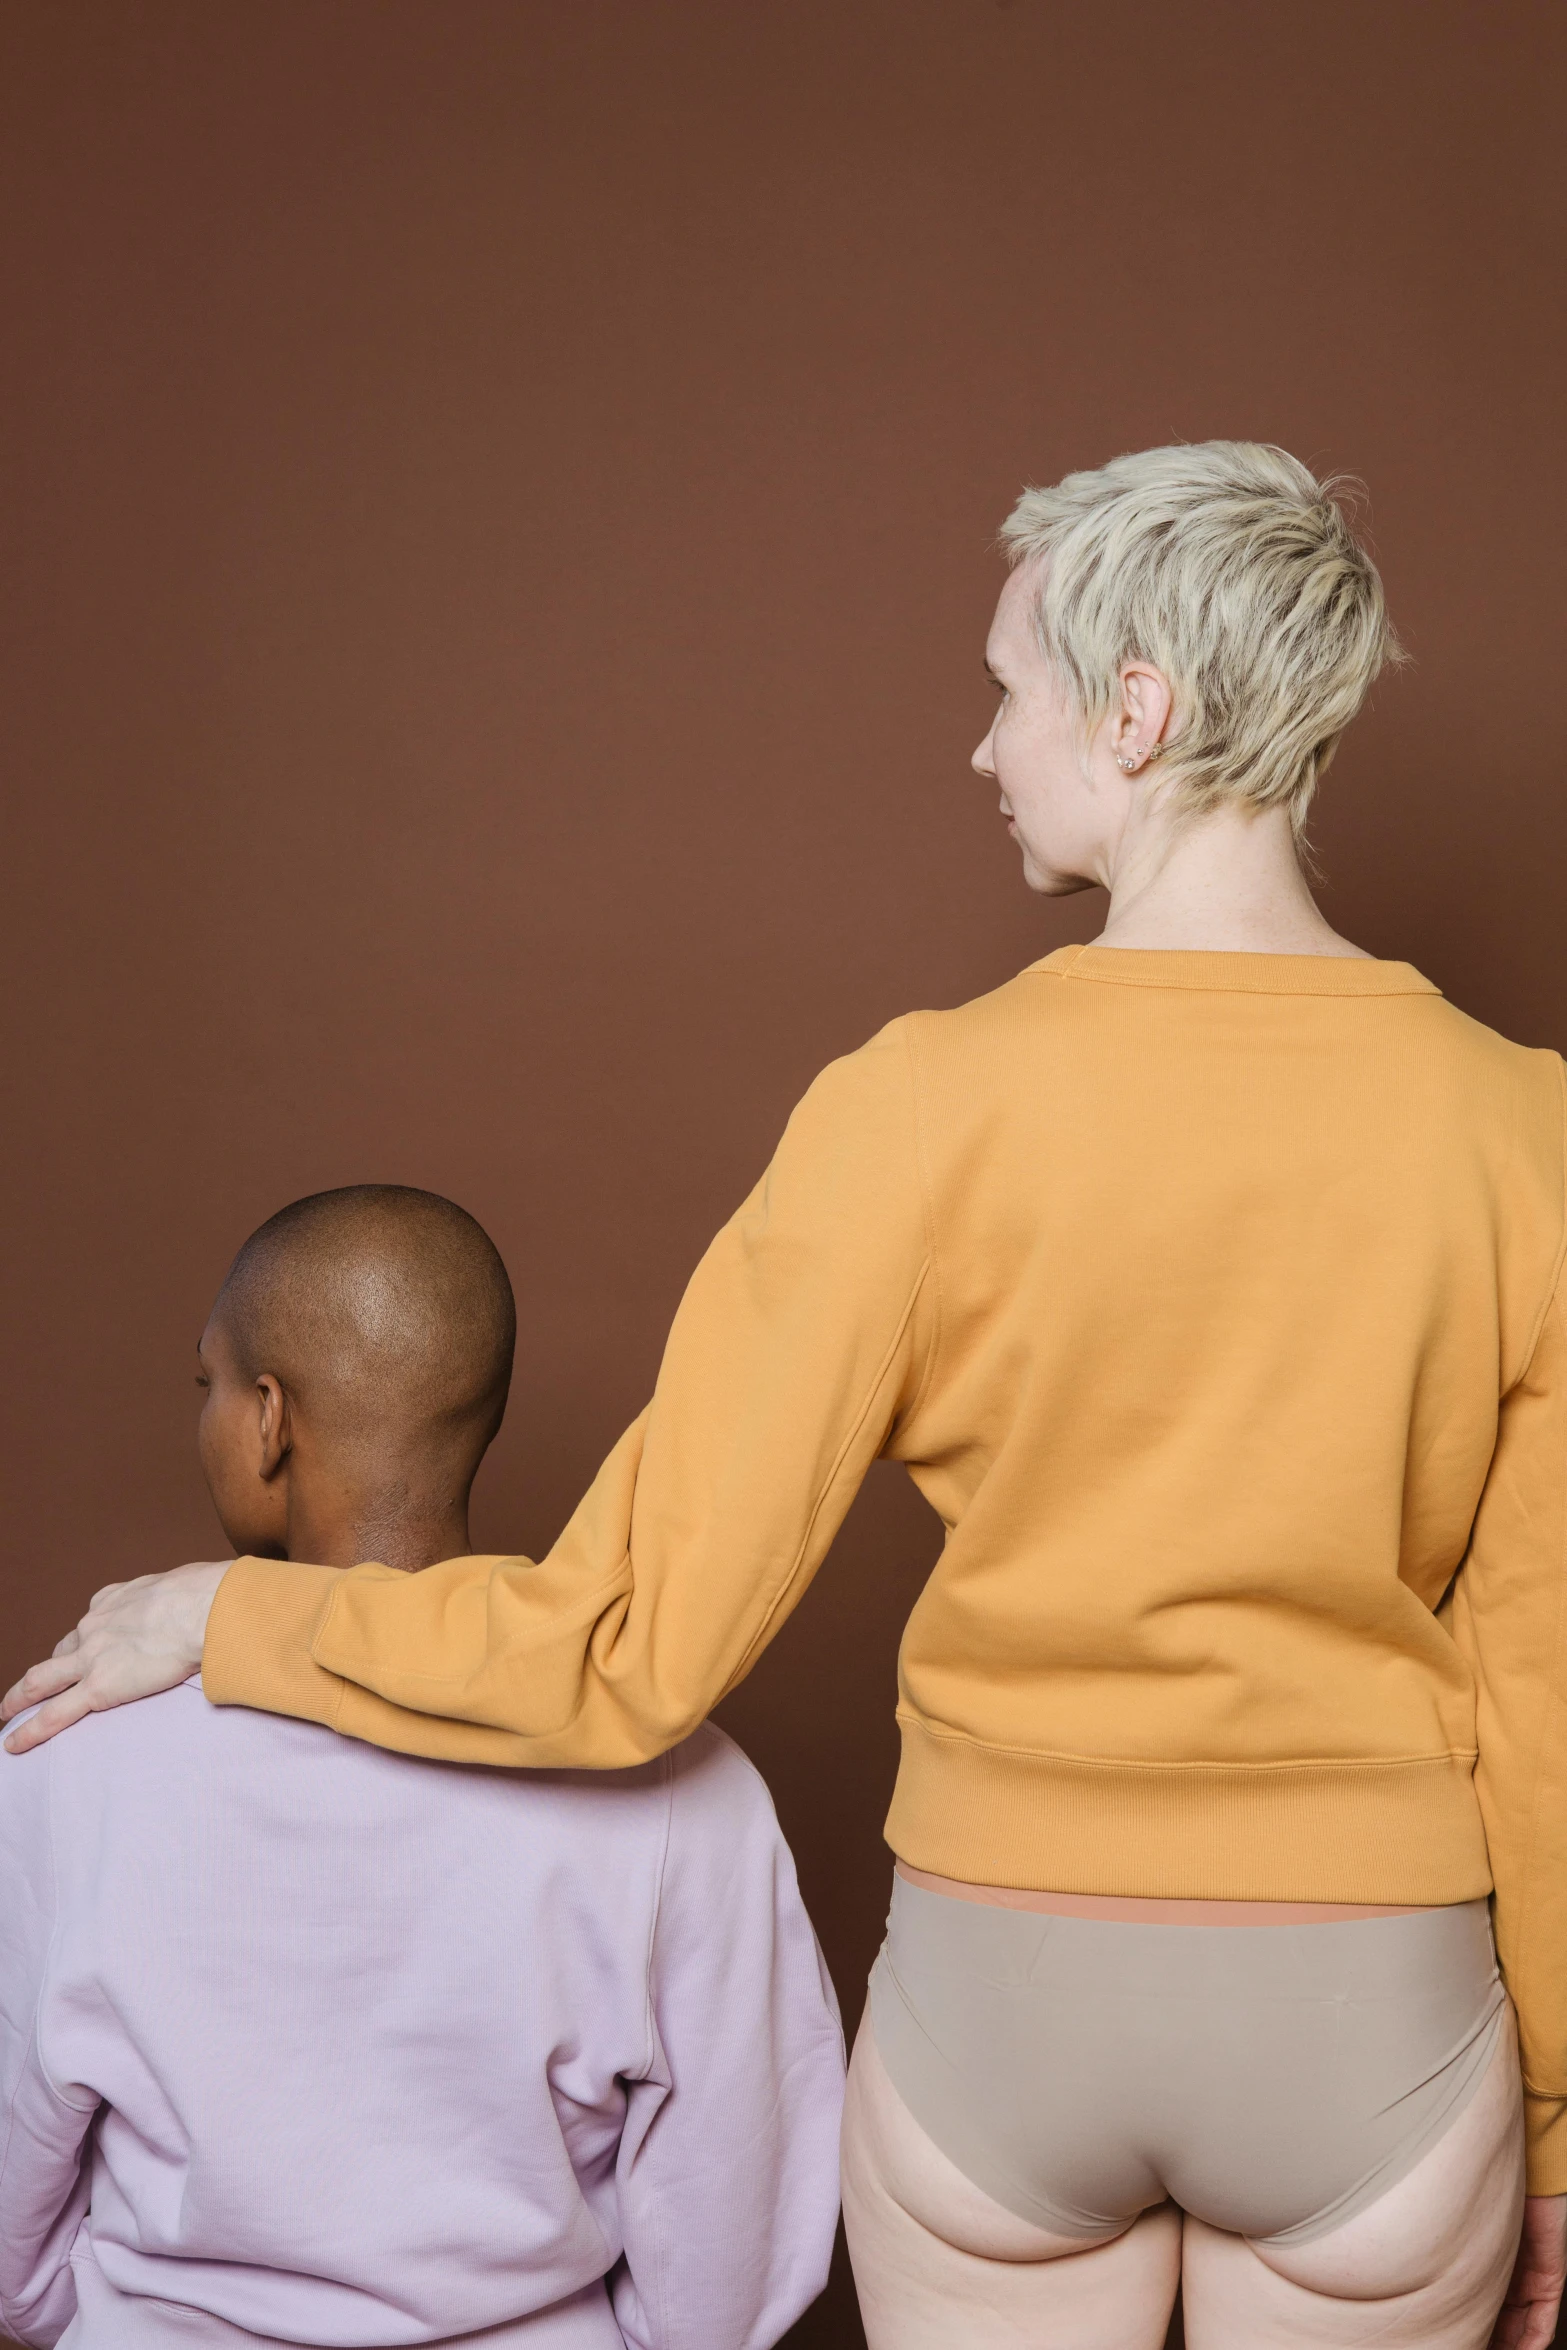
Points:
(275, 1425)
(1137, 731)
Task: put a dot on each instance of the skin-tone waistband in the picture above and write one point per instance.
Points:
(1130, 1910)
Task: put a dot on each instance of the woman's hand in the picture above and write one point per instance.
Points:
(135, 1639)
(1528, 2318)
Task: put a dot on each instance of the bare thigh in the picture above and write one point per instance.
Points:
(1423, 2268)
(939, 2266)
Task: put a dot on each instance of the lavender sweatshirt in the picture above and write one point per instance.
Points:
(305, 2042)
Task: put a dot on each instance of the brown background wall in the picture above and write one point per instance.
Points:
(496, 566)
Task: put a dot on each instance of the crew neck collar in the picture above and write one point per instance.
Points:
(1237, 974)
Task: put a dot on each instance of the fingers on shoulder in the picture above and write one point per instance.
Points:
(50, 1719)
(40, 1681)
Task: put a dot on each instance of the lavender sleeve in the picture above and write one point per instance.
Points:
(44, 2173)
(728, 2168)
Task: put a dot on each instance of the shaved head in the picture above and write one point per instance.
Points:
(384, 1312)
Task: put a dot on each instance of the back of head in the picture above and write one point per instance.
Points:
(384, 1312)
(1235, 571)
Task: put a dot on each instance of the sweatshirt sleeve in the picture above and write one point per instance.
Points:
(727, 2180)
(1510, 1619)
(44, 2178)
(801, 1341)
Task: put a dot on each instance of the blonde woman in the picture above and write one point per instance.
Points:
(1208, 1281)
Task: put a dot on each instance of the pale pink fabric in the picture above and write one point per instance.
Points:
(303, 2042)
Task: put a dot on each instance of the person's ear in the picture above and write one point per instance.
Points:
(1137, 728)
(276, 1426)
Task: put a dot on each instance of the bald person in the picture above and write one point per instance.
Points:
(305, 2042)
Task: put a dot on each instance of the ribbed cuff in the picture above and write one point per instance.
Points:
(264, 1618)
(1545, 2139)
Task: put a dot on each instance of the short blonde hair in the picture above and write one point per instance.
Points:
(1235, 571)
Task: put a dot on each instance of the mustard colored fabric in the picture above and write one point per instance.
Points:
(1214, 1302)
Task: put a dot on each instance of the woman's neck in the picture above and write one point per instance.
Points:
(1226, 883)
(341, 1528)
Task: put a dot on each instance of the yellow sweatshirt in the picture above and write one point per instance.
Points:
(1215, 1304)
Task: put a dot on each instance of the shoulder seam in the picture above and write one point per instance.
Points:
(1553, 1282)
(786, 1582)
(70, 2103)
(928, 1213)
(670, 1769)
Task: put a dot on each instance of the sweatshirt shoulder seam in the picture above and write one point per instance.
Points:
(71, 2104)
(1559, 1261)
(35, 2033)
(671, 1771)
(786, 1582)
(1528, 1875)
(928, 1214)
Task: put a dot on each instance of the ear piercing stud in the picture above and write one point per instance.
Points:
(1154, 751)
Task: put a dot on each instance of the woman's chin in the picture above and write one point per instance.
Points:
(1050, 881)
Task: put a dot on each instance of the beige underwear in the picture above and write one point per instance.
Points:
(1271, 2080)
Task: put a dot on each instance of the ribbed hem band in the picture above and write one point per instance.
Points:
(1381, 1832)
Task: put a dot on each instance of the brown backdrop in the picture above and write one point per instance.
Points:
(496, 567)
